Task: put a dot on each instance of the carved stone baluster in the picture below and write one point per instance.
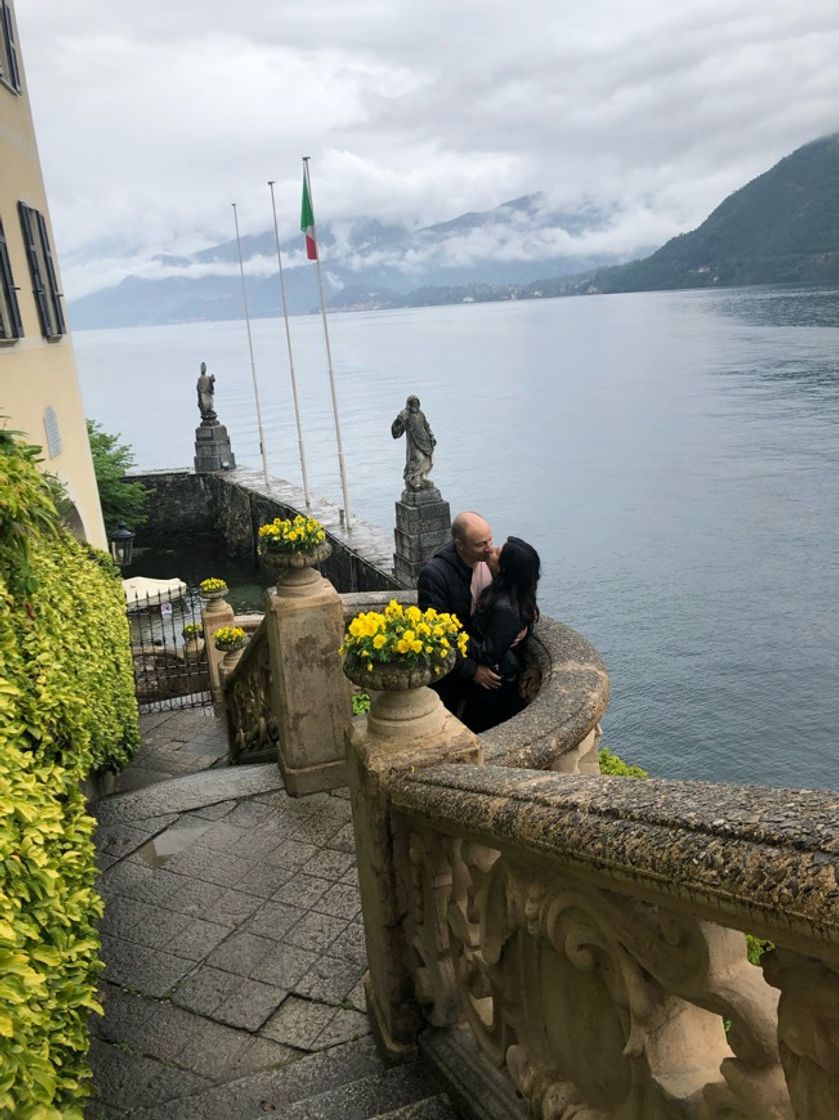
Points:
(808, 1030)
(435, 982)
(250, 721)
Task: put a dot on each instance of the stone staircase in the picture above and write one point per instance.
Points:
(234, 948)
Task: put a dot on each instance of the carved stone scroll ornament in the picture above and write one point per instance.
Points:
(251, 723)
(600, 1006)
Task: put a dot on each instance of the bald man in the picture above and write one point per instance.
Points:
(451, 581)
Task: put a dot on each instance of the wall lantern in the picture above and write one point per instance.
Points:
(122, 544)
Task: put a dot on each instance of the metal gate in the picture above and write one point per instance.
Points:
(170, 664)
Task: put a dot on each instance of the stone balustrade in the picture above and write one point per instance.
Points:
(252, 727)
(590, 934)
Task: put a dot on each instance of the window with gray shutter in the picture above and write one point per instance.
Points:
(42, 270)
(11, 327)
(9, 66)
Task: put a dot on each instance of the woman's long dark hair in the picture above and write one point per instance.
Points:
(518, 573)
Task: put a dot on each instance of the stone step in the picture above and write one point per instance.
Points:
(431, 1108)
(275, 1092)
(192, 791)
(367, 1098)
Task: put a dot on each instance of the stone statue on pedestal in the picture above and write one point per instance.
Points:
(206, 387)
(419, 444)
(423, 519)
(212, 443)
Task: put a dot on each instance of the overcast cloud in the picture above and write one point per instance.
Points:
(153, 117)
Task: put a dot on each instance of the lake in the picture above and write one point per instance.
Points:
(673, 457)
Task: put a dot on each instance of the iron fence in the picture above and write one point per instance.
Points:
(170, 663)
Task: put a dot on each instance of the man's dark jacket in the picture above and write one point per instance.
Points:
(445, 583)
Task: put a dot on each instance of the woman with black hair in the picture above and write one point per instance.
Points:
(505, 612)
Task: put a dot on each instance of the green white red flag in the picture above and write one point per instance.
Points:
(307, 222)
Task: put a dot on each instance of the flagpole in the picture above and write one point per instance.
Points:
(329, 357)
(290, 358)
(250, 348)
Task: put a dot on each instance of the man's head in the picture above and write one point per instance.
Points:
(412, 404)
(203, 367)
(472, 538)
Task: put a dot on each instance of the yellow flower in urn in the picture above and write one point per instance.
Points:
(403, 637)
(292, 534)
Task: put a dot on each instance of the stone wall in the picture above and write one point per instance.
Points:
(225, 510)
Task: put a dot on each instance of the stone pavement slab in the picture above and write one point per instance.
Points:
(230, 938)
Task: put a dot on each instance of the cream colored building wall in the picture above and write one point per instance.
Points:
(36, 374)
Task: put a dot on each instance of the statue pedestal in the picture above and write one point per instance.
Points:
(212, 449)
(423, 524)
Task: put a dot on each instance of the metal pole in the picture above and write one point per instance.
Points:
(250, 349)
(329, 356)
(290, 358)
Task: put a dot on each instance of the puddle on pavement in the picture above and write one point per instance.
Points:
(155, 853)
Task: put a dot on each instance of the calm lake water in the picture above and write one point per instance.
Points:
(673, 457)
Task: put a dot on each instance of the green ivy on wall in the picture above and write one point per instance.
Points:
(66, 707)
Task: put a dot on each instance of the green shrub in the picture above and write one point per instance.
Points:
(611, 764)
(120, 500)
(66, 706)
(756, 947)
(360, 703)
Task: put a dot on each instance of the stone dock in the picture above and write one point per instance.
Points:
(233, 946)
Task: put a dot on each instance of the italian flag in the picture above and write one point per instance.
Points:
(307, 222)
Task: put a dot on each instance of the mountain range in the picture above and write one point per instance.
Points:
(783, 227)
(366, 263)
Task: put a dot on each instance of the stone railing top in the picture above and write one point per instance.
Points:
(356, 601)
(249, 622)
(762, 860)
(572, 699)
(370, 542)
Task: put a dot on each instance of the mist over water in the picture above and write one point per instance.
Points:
(672, 456)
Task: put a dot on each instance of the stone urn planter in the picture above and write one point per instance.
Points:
(294, 570)
(230, 641)
(193, 650)
(231, 658)
(401, 703)
(213, 594)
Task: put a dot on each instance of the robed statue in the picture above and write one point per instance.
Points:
(419, 444)
(206, 387)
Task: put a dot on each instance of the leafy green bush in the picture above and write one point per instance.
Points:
(611, 764)
(120, 500)
(360, 703)
(66, 707)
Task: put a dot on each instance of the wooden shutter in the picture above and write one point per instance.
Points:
(8, 31)
(29, 228)
(54, 294)
(15, 326)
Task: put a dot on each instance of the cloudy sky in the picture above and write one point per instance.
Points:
(153, 117)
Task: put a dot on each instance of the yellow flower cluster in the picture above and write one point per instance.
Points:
(300, 534)
(229, 637)
(404, 635)
(212, 584)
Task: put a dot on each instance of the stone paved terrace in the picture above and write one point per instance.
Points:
(234, 947)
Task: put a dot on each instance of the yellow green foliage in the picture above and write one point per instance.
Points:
(66, 707)
(611, 763)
